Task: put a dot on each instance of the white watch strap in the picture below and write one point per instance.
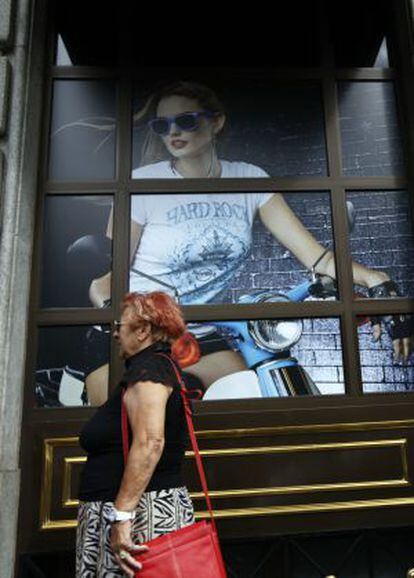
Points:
(121, 516)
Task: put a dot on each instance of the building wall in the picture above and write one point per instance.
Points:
(18, 167)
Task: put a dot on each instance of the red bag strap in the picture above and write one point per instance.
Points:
(188, 415)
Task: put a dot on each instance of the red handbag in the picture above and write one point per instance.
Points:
(193, 550)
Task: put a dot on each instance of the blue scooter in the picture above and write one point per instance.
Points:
(265, 346)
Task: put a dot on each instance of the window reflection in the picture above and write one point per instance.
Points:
(62, 55)
(75, 248)
(82, 136)
(69, 366)
(276, 358)
(216, 248)
(381, 60)
(278, 127)
(370, 133)
(387, 361)
(383, 236)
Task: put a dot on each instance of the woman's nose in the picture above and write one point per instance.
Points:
(174, 129)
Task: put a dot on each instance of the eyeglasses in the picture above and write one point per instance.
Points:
(118, 325)
(186, 121)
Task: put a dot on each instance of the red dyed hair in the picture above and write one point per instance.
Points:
(158, 309)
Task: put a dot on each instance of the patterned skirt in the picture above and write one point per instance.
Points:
(157, 513)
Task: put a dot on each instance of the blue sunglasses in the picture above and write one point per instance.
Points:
(186, 121)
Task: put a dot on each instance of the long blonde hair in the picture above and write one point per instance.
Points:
(153, 149)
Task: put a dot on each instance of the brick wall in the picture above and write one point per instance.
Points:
(382, 238)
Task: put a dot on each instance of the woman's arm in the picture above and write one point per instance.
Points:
(288, 229)
(145, 403)
(282, 222)
(100, 288)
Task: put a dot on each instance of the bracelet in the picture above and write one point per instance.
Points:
(319, 259)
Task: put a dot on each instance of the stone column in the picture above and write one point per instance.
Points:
(20, 98)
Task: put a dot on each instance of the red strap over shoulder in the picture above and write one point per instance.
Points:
(188, 415)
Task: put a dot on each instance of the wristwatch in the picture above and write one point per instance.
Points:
(120, 516)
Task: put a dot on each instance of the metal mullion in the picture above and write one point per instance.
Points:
(235, 311)
(401, 47)
(120, 267)
(383, 306)
(36, 314)
(352, 370)
(360, 74)
(227, 185)
(45, 138)
(80, 187)
(124, 136)
(373, 183)
(343, 262)
(266, 184)
(73, 316)
(40, 205)
(35, 277)
(83, 72)
(297, 75)
(294, 75)
(120, 233)
(344, 276)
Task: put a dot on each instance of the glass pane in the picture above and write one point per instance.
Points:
(370, 134)
(267, 358)
(62, 55)
(269, 128)
(86, 34)
(366, 21)
(383, 237)
(75, 250)
(83, 130)
(387, 362)
(214, 248)
(382, 60)
(72, 366)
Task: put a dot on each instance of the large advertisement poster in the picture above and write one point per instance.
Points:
(239, 247)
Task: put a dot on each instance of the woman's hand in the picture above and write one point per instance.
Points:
(123, 548)
(402, 346)
(399, 327)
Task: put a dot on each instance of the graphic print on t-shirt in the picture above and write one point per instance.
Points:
(206, 264)
(196, 246)
(194, 242)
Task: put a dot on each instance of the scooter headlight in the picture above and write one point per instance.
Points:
(275, 334)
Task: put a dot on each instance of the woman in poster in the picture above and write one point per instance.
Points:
(196, 243)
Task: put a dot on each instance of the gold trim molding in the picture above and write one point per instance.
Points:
(304, 489)
(287, 449)
(50, 443)
(67, 500)
(273, 510)
(309, 428)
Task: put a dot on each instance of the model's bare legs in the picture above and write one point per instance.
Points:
(215, 365)
(97, 385)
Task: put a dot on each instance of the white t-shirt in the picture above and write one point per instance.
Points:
(194, 242)
(229, 169)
